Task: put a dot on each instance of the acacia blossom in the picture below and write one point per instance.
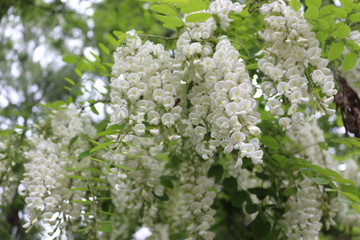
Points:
(47, 185)
(293, 65)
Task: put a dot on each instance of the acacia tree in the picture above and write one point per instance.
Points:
(226, 128)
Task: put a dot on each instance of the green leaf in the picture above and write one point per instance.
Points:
(281, 159)
(83, 229)
(230, 184)
(335, 51)
(356, 207)
(323, 145)
(330, 190)
(101, 146)
(343, 31)
(85, 154)
(93, 109)
(166, 182)
(70, 81)
(322, 24)
(75, 177)
(347, 5)
(351, 196)
(252, 66)
(121, 36)
(290, 191)
(260, 227)
(164, 9)
(73, 140)
(192, 6)
(118, 127)
(111, 39)
(260, 192)
(349, 61)
(122, 167)
(270, 142)
(95, 170)
(81, 201)
(321, 181)
(107, 132)
(216, 171)
(244, 13)
(251, 208)
(262, 176)
(171, 22)
(295, 4)
(104, 49)
(70, 59)
(198, 17)
(247, 163)
(340, 13)
(312, 13)
(79, 189)
(354, 17)
(313, 3)
(238, 198)
(107, 227)
(342, 180)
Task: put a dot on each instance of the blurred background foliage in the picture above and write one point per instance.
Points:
(34, 37)
(35, 34)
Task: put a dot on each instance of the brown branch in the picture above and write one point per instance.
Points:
(349, 103)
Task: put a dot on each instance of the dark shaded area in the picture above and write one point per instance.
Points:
(349, 104)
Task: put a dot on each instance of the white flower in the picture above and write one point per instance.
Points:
(139, 129)
(168, 119)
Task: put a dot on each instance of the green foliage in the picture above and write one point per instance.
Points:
(198, 17)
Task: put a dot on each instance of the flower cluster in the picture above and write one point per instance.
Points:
(198, 91)
(308, 139)
(303, 218)
(136, 190)
(146, 86)
(222, 110)
(293, 64)
(46, 179)
(199, 197)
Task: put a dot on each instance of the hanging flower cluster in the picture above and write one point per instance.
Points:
(293, 64)
(199, 91)
(303, 218)
(47, 188)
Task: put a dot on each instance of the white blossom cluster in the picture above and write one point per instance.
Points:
(199, 193)
(353, 76)
(223, 112)
(303, 218)
(307, 139)
(293, 63)
(197, 91)
(136, 190)
(199, 198)
(145, 87)
(48, 197)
